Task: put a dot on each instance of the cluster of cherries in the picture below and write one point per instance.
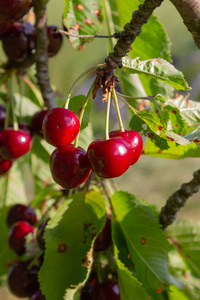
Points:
(70, 166)
(22, 276)
(19, 37)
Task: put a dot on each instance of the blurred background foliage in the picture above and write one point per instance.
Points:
(154, 179)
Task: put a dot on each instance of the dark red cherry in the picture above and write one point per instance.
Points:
(55, 40)
(4, 26)
(20, 212)
(16, 236)
(5, 165)
(14, 143)
(60, 127)
(104, 239)
(109, 158)
(37, 120)
(37, 295)
(2, 116)
(22, 281)
(19, 41)
(69, 166)
(12, 10)
(134, 139)
(108, 290)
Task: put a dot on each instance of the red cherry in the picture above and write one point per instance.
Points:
(20, 212)
(108, 290)
(104, 239)
(109, 158)
(19, 41)
(60, 127)
(134, 139)
(5, 165)
(69, 166)
(4, 26)
(16, 236)
(12, 10)
(22, 281)
(55, 40)
(37, 120)
(14, 143)
(37, 295)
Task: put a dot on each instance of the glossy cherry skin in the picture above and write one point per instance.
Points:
(20, 212)
(55, 40)
(69, 166)
(16, 236)
(22, 281)
(12, 10)
(37, 120)
(108, 290)
(14, 143)
(37, 295)
(104, 239)
(2, 116)
(5, 165)
(109, 158)
(19, 42)
(60, 127)
(134, 139)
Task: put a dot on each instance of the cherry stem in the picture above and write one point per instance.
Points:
(11, 99)
(121, 126)
(83, 110)
(107, 116)
(77, 80)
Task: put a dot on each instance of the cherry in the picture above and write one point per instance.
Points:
(4, 26)
(69, 166)
(20, 212)
(103, 291)
(104, 239)
(24, 127)
(2, 116)
(134, 139)
(16, 236)
(109, 158)
(12, 10)
(37, 120)
(60, 127)
(22, 281)
(19, 41)
(14, 143)
(37, 295)
(55, 40)
(40, 234)
(5, 165)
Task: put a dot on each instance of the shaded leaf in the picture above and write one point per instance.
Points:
(68, 237)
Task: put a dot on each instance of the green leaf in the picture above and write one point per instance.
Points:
(145, 240)
(6, 254)
(68, 237)
(157, 68)
(186, 239)
(84, 18)
(12, 185)
(76, 103)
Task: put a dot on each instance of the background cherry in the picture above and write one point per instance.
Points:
(19, 41)
(20, 212)
(55, 40)
(109, 158)
(22, 281)
(104, 239)
(2, 116)
(37, 120)
(14, 143)
(5, 165)
(60, 127)
(108, 290)
(4, 26)
(16, 236)
(134, 139)
(12, 10)
(69, 166)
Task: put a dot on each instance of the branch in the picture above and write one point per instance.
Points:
(190, 13)
(178, 199)
(41, 54)
(128, 36)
